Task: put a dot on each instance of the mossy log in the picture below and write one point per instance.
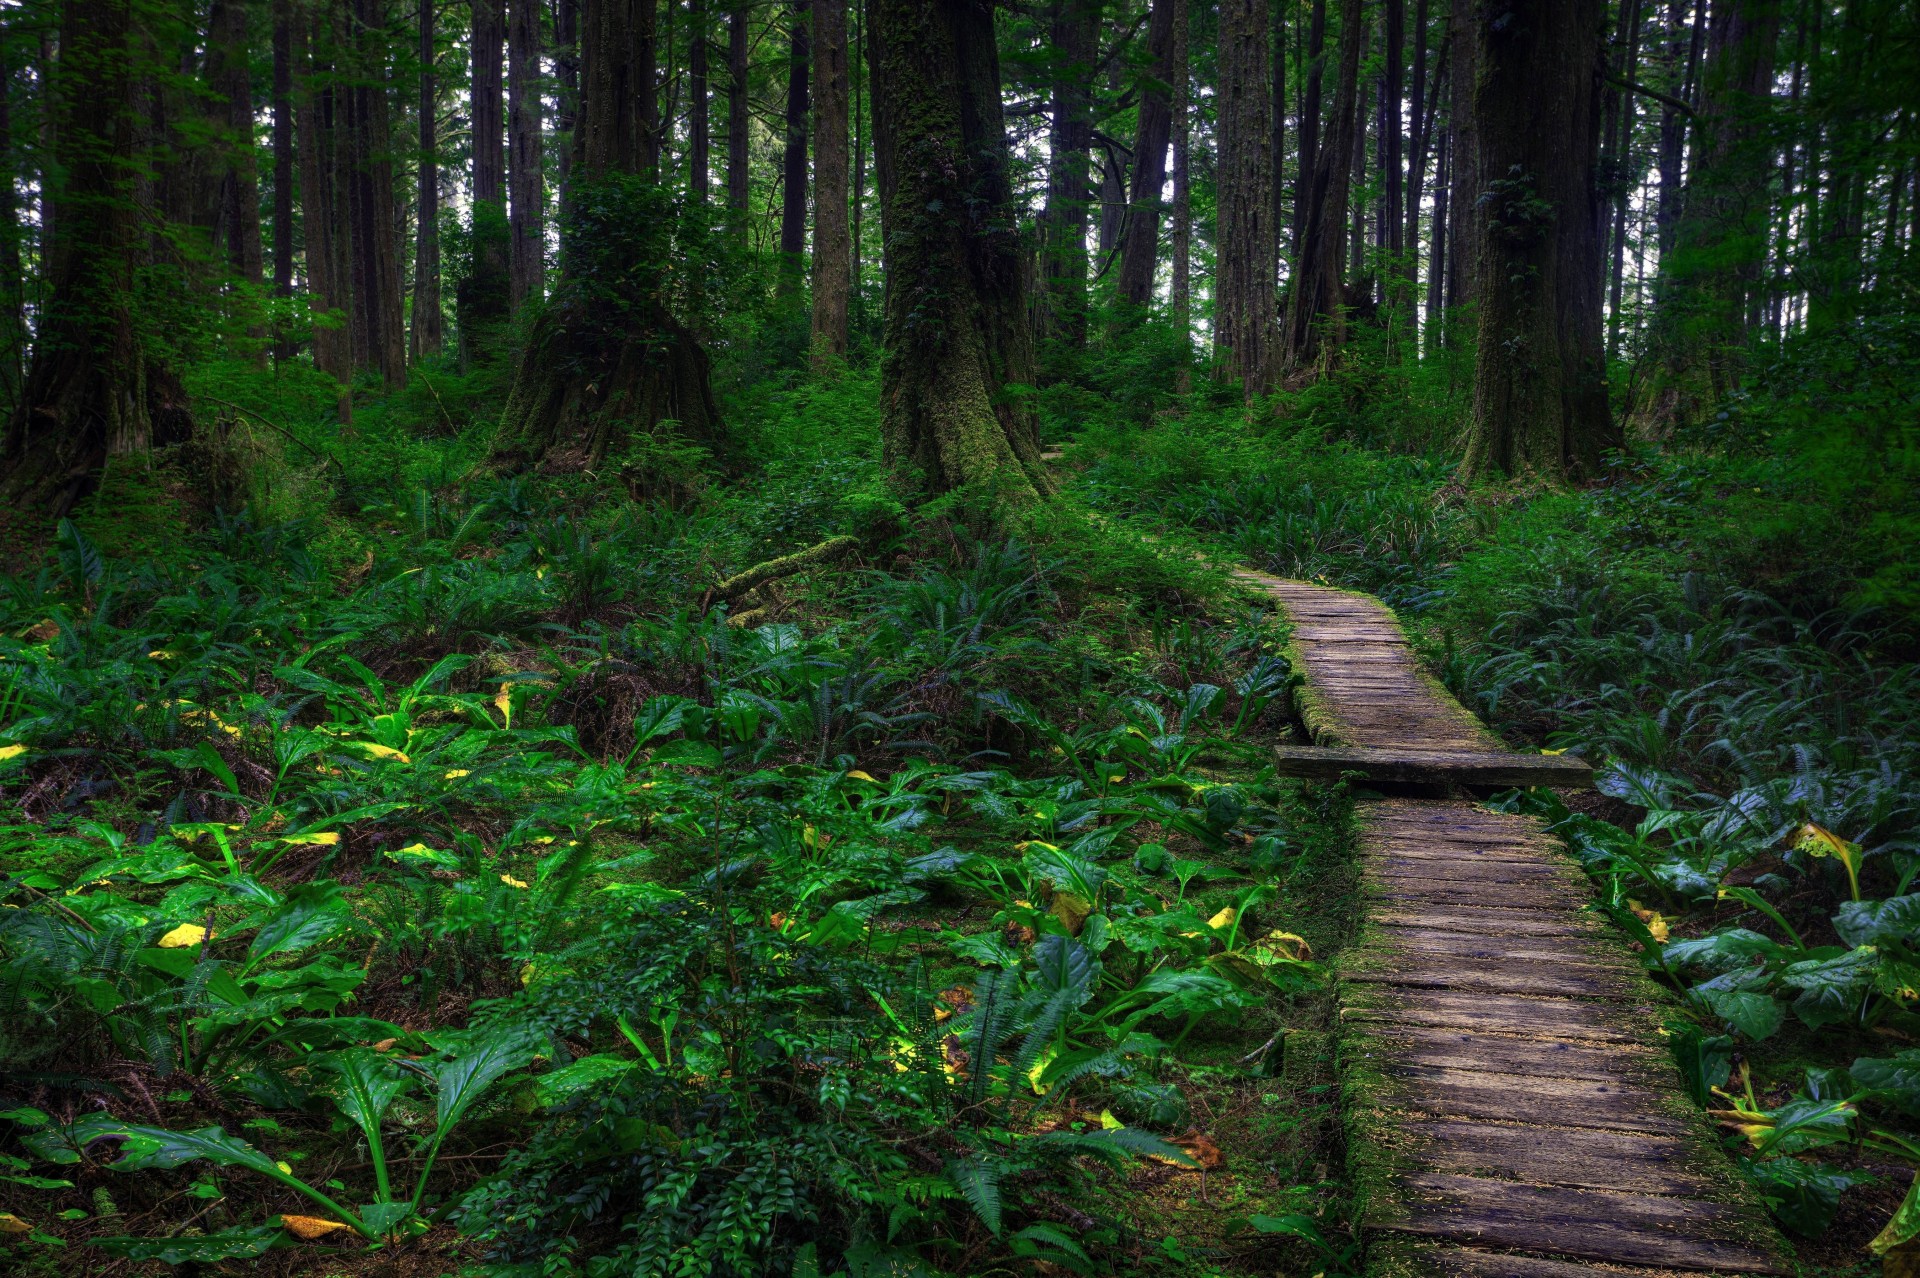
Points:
(785, 566)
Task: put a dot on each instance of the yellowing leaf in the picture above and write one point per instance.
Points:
(184, 935)
(857, 775)
(12, 1224)
(1817, 840)
(504, 703)
(308, 1228)
(161, 654)
(1655, 924)
(1285, 944)
(1071, 910)
(1108, 1122)
(512, 882)
(12, 751)
(1553, 752)
(454, 774)
(1039, 1068)
(1222, 920)
(286, 1168)
(324, 839)
(374, 750)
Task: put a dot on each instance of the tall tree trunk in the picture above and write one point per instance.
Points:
(237, 212)
(1416, 161)
(566, 74)
(1673, 132)
(699, 134)
(1463, 202)
(858, 76)
(94, 389)
(1358, 283)
(1392, 153)
(378, 326)
(429, 328)
(1243, 318)
(1316, 305)
(1062, 324)
(1277, 118)
(956, 313)
(13, 280)
(1439, 256)
(1618, 168)
(319, 119)
(1540, 389)
(1309, 127)
(483, 301)
(283, 126)
(1719, 241)
(1180, 233)
(606, 363)
(793, 163)
(526, 170)
(1140, 255)
(737, 118)
(832, 241)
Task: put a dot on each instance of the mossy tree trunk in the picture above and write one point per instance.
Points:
(1316, 304)
(1540, 387)
(832, 238)
(95, 388)
(956, 329)
(606, 362)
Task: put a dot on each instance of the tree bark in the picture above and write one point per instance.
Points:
(1463, 212)
(1316, 305)
(1180, 290)
(378, 326)
(1416, 160)
(1673, 131)
(283, 127)
(1309, 126)
(1392, 153)
(956, 332)
(1620, 177)
(94, 389)
(1062, 314)
(1244, 302)
(489, 117)
(699, 128)
(237, 211)
(320, 123)
(566, 73)
(483, 301)
(738, 173)
(1277, 117)
(429, 327)
(832, 240)
(1540, 390)
(793, 161)
(606, 364)
(526, 172)
(1141, 253)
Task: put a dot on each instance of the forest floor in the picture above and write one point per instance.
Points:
(952, 916)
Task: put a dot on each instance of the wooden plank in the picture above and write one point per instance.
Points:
(1517, 1014)
(1460, 1262)
(1603, 1104)
(1484, 767)
(1525, 1058)
(1429, 941)
(1578, 1157)
(1530, 896)
(1567, 980)
(1472, 869)
(1484, 920)
(1639, 1229)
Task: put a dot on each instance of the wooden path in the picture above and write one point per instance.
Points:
(1511, 1113)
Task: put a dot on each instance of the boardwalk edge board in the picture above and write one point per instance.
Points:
(1509, 1111)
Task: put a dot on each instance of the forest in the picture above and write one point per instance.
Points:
(960, 637)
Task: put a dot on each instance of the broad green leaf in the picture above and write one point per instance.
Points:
(1062, 966)
(587, 1073)
(230, 1244)
(1831, 990)
(1905, 1225)
(1894, 1079)
(1735, 947)
(1877, 922)
(369, 1085)
(1803, 1124)
(464, 1079)
(1803, 1196)
(311, 913)
(1758, 1016)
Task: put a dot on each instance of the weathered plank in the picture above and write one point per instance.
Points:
(1459, 1262)
(1578, 1157)
(1603, 1104)
(1483, 920)
(1573, 980)
(1643, 1229)
(1556, 1018)
(1525, 1057)
(1428, 942)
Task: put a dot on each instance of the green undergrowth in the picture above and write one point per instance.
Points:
(1722, 625)
(410, 865)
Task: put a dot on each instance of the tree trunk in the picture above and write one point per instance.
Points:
(1277, 119)
(1244, 304)
(237, 208)
(1416, 162)
(606, 365)
(1316, 305)
(94, 389)
(1309, 128)
(1392, 154)
(1180, 291)
(1673, 132)
(793, 163)
(956, 332)
(526, 172)
(1463, 211)
(699, 134)
(483, 301)
(1062, 326)
(832, 242)
(319, 121)
(378, 326)
(1540, 389)
(1439, 260)
(737, 118)
(1719, 241)
(1141, 253)
(13, 280)
(1618, 168)
(428, 331)
(566, 73)
(283, 126)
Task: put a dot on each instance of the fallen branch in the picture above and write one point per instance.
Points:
(785, 566)
(322, 454)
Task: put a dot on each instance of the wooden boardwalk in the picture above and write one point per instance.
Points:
(1511, 1113)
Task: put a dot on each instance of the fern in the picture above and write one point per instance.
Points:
(978, 1179)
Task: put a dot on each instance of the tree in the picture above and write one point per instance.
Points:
(1316, 306)
(483, 301)
(1075, 32)
(699, 136)
(832, 240)
(319, 114)
(1540, 389)
(1140, 254)
(1180, 232)
(1244, 303)
(1463, 210)
(377, 324)
(428, 330)
(793, 159)
(606, 364)
(96, 387)
(283, 126)
(739, 171)
(236, 224)
(955, 330)
(526, 172)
